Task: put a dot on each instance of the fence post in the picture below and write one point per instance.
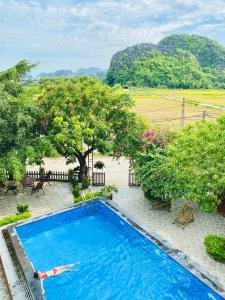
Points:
(203, 115)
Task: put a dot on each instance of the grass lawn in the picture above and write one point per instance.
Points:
(159, 106)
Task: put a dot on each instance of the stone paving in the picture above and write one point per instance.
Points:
(57, 195)
(189, 240)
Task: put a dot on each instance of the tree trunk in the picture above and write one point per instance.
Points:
(83, 168)
(83, 172)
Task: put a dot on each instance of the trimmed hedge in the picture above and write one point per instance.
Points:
(215, 246)
(87, 196)
(15, 218)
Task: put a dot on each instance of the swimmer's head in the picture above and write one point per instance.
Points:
(36, 274)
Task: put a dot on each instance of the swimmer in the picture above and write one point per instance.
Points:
(54, 272)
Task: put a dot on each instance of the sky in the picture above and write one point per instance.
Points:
(69, 34)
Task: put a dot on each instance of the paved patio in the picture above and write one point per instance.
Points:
(57, 195)
(188, 240)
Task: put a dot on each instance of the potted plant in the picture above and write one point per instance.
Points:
(108, 191)
(99, 165)
(22, 208)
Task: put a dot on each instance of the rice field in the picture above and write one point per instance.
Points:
(162, 107)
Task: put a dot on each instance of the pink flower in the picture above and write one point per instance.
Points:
(148, 134)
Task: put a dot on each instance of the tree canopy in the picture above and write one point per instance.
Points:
(10, 79)
(20, 137)
(82, 115)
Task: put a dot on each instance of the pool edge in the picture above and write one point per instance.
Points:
(180, 257)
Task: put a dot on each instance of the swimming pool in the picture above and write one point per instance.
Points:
(116, 261)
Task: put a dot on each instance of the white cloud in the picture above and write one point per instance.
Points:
(89, 32)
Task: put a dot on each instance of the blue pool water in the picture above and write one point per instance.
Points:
(116, 261)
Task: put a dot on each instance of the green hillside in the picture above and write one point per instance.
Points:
(177, 61)
(119, 71)
(207, 52)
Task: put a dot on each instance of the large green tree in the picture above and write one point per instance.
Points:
(10, 79)
(82, 115)
(20, 136)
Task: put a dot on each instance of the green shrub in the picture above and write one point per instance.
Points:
(72, 177)
(78, 199)
(107, 191)
(14, 219)
(86, 183)
(76, 191)
(74, 181)
(148, 195)
(215, 246)
(179, 166)
(87, 196)
(2, 178)
(22, 207)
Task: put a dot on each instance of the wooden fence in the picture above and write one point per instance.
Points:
(132, 180)
(98, 179)
(55, 175)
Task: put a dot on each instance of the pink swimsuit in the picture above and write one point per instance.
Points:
(44, 275)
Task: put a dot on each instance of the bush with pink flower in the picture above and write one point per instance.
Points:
(149, 160)
(156, 138)
(189, 166)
